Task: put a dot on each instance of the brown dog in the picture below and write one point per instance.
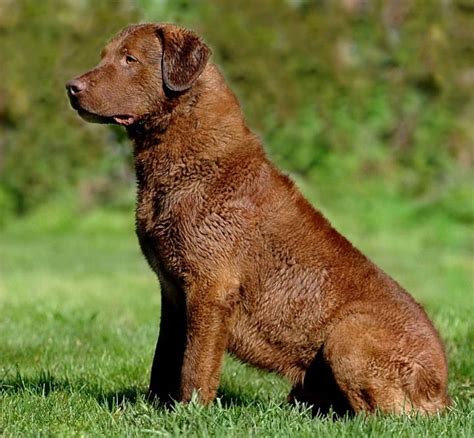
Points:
(244, 262)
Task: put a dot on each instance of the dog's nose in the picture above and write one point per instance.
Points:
(75, 86)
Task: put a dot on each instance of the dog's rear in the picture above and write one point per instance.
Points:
(245, 263)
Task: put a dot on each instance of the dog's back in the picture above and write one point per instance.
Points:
(307, 289)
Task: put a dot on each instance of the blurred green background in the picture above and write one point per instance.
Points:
(343, 92)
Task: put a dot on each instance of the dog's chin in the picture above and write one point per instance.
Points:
(93, 118)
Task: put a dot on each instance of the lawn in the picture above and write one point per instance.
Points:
(80, 316)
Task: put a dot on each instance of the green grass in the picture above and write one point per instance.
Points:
(80, 313)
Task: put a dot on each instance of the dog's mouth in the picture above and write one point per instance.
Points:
(120, 119)
(92, 117)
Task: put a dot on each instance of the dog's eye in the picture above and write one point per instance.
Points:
(129, 59)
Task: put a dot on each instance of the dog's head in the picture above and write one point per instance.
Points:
(141, 69)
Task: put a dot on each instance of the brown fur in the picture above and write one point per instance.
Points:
(245, 263)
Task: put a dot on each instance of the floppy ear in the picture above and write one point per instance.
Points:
(184, 56)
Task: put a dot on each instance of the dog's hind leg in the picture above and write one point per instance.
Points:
(376, 368)
(320, 390)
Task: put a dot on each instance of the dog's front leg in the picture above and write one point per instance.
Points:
(168, 360)
(208, 317)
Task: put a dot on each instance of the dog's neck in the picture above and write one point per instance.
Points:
(208, 106)
(204, 124)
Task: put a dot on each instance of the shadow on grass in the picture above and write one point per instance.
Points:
(114, 399)
(229, 398)
(44, 384)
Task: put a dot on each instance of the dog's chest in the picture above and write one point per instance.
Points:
(164, 225)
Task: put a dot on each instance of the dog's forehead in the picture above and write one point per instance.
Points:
(138, 37)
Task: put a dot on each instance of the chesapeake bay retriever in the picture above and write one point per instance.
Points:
(246, 264)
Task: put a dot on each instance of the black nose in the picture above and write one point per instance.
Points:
(75, 86)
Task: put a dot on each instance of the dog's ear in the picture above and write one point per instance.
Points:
(184, 56)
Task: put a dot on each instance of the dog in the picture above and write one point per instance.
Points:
(246, 265)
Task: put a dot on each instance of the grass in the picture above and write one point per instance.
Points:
(80, 314)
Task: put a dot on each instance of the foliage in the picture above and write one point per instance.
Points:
(43, 145)
(378, 90)
(386, 88)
